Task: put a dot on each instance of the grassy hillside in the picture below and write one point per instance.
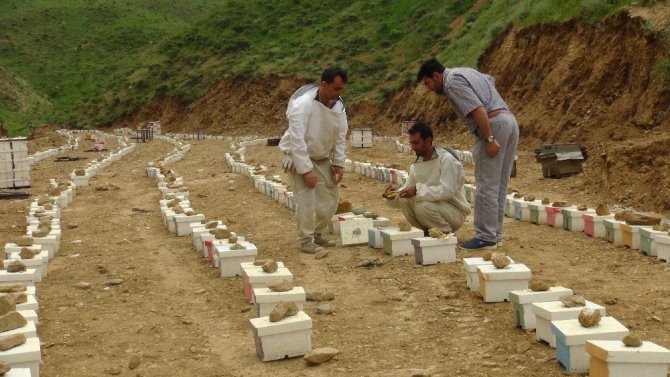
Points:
(96, 60)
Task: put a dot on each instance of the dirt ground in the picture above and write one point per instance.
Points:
(175, 312)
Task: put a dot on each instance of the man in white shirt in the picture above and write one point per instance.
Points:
(433, 196)
(313, 149)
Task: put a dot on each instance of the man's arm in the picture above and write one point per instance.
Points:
(338, 149)
(481, 119)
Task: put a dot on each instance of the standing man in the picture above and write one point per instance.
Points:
(474, 98)
(313, 149)
(433, 195)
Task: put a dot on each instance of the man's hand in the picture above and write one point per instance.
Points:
(310, 179)
(409, 192)
(337, 173)
(493, 148)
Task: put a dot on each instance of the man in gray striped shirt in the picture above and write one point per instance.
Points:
(474, 98)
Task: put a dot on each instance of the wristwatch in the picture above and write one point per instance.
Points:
(490, 139)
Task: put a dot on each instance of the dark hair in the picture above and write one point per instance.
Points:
(330, 73)
(422, 128)
(428, 67)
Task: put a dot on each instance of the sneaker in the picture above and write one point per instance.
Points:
(477, 244)
(319, 240)
(310, 248)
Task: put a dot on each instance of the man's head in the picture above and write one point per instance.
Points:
(421, 138)
(333, 82)
(431, 74)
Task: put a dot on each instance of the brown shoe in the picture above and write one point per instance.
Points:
(319, 240)
(310, 248)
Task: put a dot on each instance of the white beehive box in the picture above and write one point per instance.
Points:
(495, 284)
(27, 355)
(571, 337)
(470, 269)
(611, 358)
(522, 301)
(428, 250)
(265, 299)
(399, 243)
(547, 312)
(289, 337)
(361, 138)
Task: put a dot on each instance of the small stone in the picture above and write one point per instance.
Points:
(236, 246)
(631, 341)
(190, 213)
(40, 233)
(283, 310)
(103, 187)
(11, 321)
(16, 266)
(270, 266)
(27, 253)
(114, 371)
(134, 362)
(522, 347)
(529, 198)
(449, 295)
(602, 210)
(12, 288)
(245, 309)
(640, 219)
(500, 260)
(582, 207)
(18, 298)
(320, 355)
(220, 234)
(211, 225)
(661, 227)
(83, 285)
(487, 257)
(436, 233)
(101, 269)
(611, 301)
(546, 201)
(321, 254)
(589, 317)
(404, 226)
(560, 204)
(4, 368)
(358, 210)
(6, 305)
(12, 341)
(260, 262)
(572, 301)
(79, 172)
(116, 281)
(24, 241)
(319, 296)
(232, 238)
(371, 215)
(517, 195)
(656, 318)
(280, 285)
(324, 309)
(343, 207)
(539, 286)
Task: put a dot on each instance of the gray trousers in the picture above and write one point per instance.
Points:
(492, 177)
(315, 207)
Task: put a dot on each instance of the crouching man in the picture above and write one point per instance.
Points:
(433, 196)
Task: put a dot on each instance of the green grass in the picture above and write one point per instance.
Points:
(94, 60)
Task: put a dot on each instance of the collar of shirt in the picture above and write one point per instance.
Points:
(316, 98)
(445, 83)
(434, 156)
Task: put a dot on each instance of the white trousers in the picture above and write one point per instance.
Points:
(315, 207)
(425, 215)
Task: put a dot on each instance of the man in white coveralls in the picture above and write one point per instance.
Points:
(433, 196)
(313, 149)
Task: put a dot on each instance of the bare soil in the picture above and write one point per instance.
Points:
(175, 312)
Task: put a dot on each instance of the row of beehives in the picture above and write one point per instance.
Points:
(649, 239)
(275, 338)
(554, 318)
(464, 156)
(26, 263)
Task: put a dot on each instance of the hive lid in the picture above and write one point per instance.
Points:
(615, 351)
(262, 326)
(572, 333)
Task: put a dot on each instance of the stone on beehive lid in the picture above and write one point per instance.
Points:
(640, 219)
(289, 337)
(471, 273)
(602, 210)
(24, 357)
(23, 241)
(11, 341)
(257, 278)
(589, 317)
(572, 301)
(495, 283)
(12, 320)
(343, 207)
(266, 299)
(611, 358)
(500, 260)
(283, 310)
(15, 266)
(522, 301)
(27, 253)
(546, 312)
(571, 337)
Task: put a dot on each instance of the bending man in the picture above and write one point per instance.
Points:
(474, 98)
(313, 149)
(433, 195)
